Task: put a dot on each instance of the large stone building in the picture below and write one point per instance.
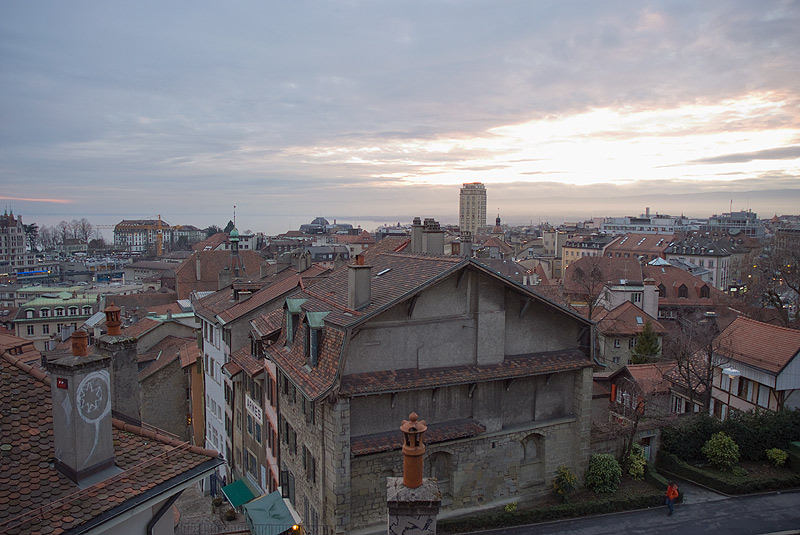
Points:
(472, 207)
(14, 257)
(502, 375)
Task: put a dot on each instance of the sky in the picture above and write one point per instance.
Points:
(377, 111)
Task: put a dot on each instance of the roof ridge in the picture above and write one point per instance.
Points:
(36, 373)
(153, 435)
(781, 327)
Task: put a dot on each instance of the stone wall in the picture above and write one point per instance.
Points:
(163, 400)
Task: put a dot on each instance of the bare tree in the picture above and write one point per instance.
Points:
(46, 238)
(697, 349)
(83, 230)
(773, 277)
(63, 232)
(585, 280)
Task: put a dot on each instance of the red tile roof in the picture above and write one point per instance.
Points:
(163, 354)
(211, 264)
(20, 347)
(436, 433)
(651, 378)
(672, 278)
(758, 344)
(141, 327)
(608, 269)
(251, 365)
(37, 498)
(623, 320)
(268, 323)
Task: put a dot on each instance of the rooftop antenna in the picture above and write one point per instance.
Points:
(234, 215)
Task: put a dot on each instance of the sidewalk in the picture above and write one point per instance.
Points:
(703, 513)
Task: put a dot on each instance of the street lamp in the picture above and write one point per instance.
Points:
(730, 373)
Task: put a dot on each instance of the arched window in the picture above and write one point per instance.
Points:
(29, 313)
(60, 311)
(73, 311)
(87, 310)
(440, 467)
(531, 471)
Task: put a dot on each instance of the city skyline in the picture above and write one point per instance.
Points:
(376, 112)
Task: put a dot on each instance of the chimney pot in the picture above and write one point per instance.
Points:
(80, 343)
(413, 450)
(113, 322)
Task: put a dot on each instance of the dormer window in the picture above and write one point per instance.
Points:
(44, 312)
(29, 314)
(59, 311)
(87, 310)
(683, 291)
(662, 291)
(705, 293)
(293, 310)
(73, 311)
(314, 328)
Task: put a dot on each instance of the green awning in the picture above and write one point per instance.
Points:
(269, 515)
(237, 493)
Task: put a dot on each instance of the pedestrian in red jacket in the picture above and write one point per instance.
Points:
(672, 495)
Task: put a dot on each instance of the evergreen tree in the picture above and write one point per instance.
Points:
(647, 346)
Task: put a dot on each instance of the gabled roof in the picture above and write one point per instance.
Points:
(36, 498)
(625, 319)
(651, 378)
(211, 264)
(221, 305)
(758, 344)
(268, 323)
(250, 364)
(608, 270)
(141, 327)
(640, 244)
(163, 354)
(396, 277)
(672, 278)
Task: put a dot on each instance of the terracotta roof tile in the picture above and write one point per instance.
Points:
(251, 365)
(211, 264)
(141, 327)
(758, 344)
(624, 320)
(37, 498)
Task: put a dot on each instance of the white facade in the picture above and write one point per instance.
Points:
(214, 358)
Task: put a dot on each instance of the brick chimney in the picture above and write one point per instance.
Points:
(359, 284)
(81, 396)
(413, 501)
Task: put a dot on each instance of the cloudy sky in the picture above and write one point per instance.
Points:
(376, 111)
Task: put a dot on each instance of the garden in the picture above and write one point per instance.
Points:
(748, 452)
(608, 488)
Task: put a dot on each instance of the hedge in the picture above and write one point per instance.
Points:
(754, 432)
(725, 482)
(549, 513)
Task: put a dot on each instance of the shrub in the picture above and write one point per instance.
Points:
(603, 473)
(721, 451)
(565, 482)
(686, 439)
(637, 462)
(777, 456)
(229, 514)
(511, 507)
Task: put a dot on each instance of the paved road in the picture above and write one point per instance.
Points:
(748, 515)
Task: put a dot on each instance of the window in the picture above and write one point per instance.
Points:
(662, 291)
(636, 297)
(746, 389)
(683, 291)
(29, 314)
(249, 425)
(763, 396)
(257, 432)
(30, 330)
(705, 292)
(725, 382)
(59, 311)
(73, 311)
(44, 312)
(632, 342)
(46, 329)
(617, 342)
(87, 310)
